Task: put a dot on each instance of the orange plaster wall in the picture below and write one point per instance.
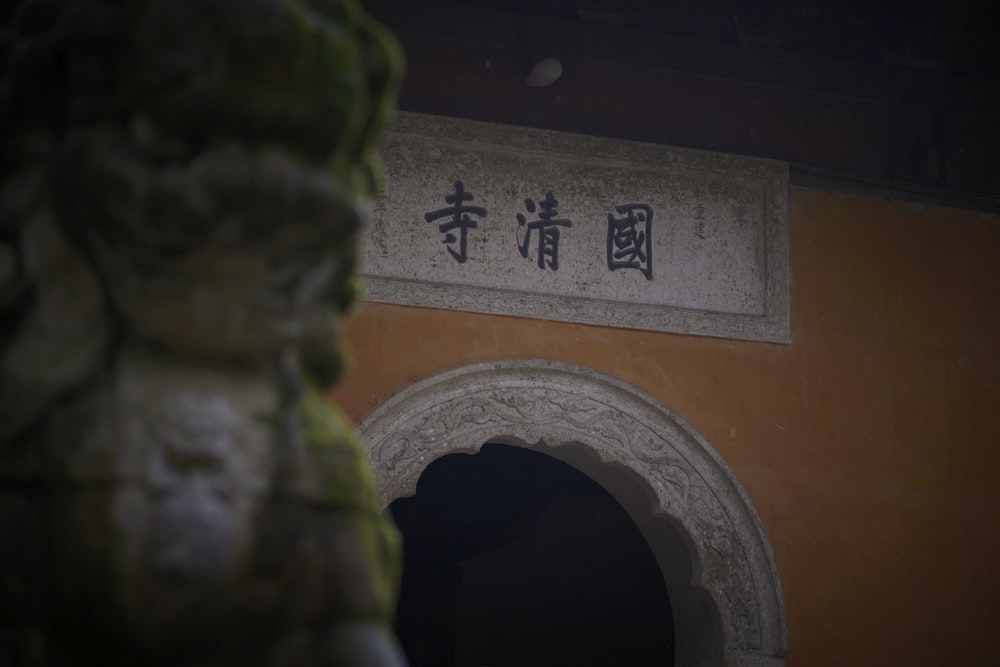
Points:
(870, 445)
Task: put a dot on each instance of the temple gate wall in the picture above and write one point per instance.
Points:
(867, 444)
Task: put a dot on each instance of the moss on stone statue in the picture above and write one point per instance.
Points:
(197, 170)
(340, 474)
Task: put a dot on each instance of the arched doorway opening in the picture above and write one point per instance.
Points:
(514, 557)
(706, 536)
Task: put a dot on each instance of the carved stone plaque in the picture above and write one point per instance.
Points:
(551, 225)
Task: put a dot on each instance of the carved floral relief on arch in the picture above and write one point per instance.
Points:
(544, 403)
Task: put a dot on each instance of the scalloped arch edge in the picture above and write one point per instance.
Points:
(546, 404)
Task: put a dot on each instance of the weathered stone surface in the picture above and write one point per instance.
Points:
(176, 251)
(581, 229)
(61, 333)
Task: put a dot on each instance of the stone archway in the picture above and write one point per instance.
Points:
(707, 537)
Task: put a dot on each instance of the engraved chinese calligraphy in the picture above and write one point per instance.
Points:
(460, 220)
(630, 240)
(547, 227)
(642, 236)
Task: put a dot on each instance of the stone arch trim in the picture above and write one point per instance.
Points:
(552, 404)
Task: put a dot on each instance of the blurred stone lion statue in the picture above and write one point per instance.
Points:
(182, 185)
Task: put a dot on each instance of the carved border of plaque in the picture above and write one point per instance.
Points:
(699, 521)
(735, 284)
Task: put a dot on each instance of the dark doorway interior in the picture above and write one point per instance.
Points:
(516, 559)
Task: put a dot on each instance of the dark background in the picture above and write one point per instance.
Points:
(900, 96)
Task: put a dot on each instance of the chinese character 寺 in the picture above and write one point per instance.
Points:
(630, 242)
(548, 231)
(460, 220)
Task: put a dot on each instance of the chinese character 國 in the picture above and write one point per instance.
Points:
(630, 241)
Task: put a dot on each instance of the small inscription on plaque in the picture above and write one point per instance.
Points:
(582, 229)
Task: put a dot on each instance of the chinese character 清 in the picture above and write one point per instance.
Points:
(547, 227)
